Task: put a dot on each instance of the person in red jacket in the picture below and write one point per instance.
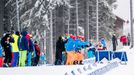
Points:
(123, 39)
(37, 51)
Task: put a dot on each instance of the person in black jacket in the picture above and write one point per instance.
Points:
(59, 48)
(114, 42)
(5, 43)
(128, 39)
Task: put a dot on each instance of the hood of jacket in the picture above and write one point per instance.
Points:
(24, 33)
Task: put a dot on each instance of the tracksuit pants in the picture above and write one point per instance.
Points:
(22, 58)
(15, 59)
(29, 58)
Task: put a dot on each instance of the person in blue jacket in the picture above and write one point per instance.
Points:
(42, 58)
(23, 49)
(103, 42)
(0, 50)
(29, 52)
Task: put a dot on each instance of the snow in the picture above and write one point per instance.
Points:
(124, 69)
(112, 68)
(37, 3)
(51, 70)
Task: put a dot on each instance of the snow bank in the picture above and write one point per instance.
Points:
(113, 67)
(89, 69)
(124, 69)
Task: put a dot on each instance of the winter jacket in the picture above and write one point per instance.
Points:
(6, 44)
(4, 38)
(15, 46)
(103, 41)
(24, 41)
(69, 46)
(7, 47)
(0, 51)
(31, 46)
(114, 40)
(37, 49)
(123, 39)
(60, 46)
(28, 38)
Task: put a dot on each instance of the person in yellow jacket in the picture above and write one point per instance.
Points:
(15, 49)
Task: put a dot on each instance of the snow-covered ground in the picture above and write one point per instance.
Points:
(77, 69)
(124, 69)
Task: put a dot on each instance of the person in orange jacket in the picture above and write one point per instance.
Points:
(80, 57)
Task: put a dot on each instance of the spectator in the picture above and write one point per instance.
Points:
(15, 49)
(37, 51)
(128, 39)
(100, 46)
(103, 42)
(5, 42)
(59, 48)
(1, 57)
(42, 58)
(30, 51)
(23, 49)
(114, 42)
(123, 39)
